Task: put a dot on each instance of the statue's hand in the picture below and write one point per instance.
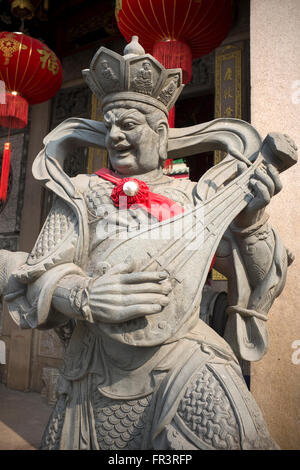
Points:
(264, 184)
(121, 294)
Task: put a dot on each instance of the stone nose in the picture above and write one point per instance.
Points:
(115, 133)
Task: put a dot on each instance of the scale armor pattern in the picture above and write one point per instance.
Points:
(120, 424)
(51, 436)
(97, 196)
(4, 257)
(207, 412)
(60, 221)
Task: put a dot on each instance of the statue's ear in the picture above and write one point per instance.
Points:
(163, 130)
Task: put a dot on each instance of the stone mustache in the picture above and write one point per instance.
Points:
(152, 352)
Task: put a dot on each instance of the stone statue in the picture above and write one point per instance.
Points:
(120, 267)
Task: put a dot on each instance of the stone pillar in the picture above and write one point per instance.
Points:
(20, 346)
(275, 106)
(31, 214)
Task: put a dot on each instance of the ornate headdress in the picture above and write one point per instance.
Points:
(134, 76)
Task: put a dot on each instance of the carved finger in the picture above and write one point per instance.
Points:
(274, 174)
(261, 197)
(131, 299)
(141, 310)
(147, 287)
(126, 267)
(108, 314)
(241, 167)
(266, 179)
(136, 278)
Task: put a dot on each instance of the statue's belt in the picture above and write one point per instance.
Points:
(133, 193)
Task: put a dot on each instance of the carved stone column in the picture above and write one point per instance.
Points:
(20, 340)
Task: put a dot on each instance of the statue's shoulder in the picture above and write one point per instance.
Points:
(88, 182)
(94, 190)
(182, 183)
(179, 189)
(83, 181)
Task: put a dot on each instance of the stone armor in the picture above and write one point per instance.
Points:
(205, 416)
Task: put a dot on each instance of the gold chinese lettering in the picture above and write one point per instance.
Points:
(228, 111)
(8, 46)
(117, 9)
(48, 58)
(228, 74)
(228, 93)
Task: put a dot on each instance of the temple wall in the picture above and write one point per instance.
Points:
(275, 107)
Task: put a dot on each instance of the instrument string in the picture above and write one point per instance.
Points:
(213, 204)
(228, 207)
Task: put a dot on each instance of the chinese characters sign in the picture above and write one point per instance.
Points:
(228, 85)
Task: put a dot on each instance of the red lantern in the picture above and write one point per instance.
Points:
(175, 31)
(32, 74)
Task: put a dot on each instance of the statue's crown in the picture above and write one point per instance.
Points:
(134, 76)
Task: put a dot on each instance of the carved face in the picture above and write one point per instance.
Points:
(133, 146)
(146, 65)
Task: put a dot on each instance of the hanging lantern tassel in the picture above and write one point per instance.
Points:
(173, 54)
(5, 171)
(14, 112)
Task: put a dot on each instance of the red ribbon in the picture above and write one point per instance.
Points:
(157, 205)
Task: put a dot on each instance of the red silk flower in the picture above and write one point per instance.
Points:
(141, 197)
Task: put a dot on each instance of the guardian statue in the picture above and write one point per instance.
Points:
(152, 353)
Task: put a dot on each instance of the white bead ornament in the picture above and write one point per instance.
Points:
(131, 188)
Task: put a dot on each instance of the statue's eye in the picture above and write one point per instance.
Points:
(128, 125)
